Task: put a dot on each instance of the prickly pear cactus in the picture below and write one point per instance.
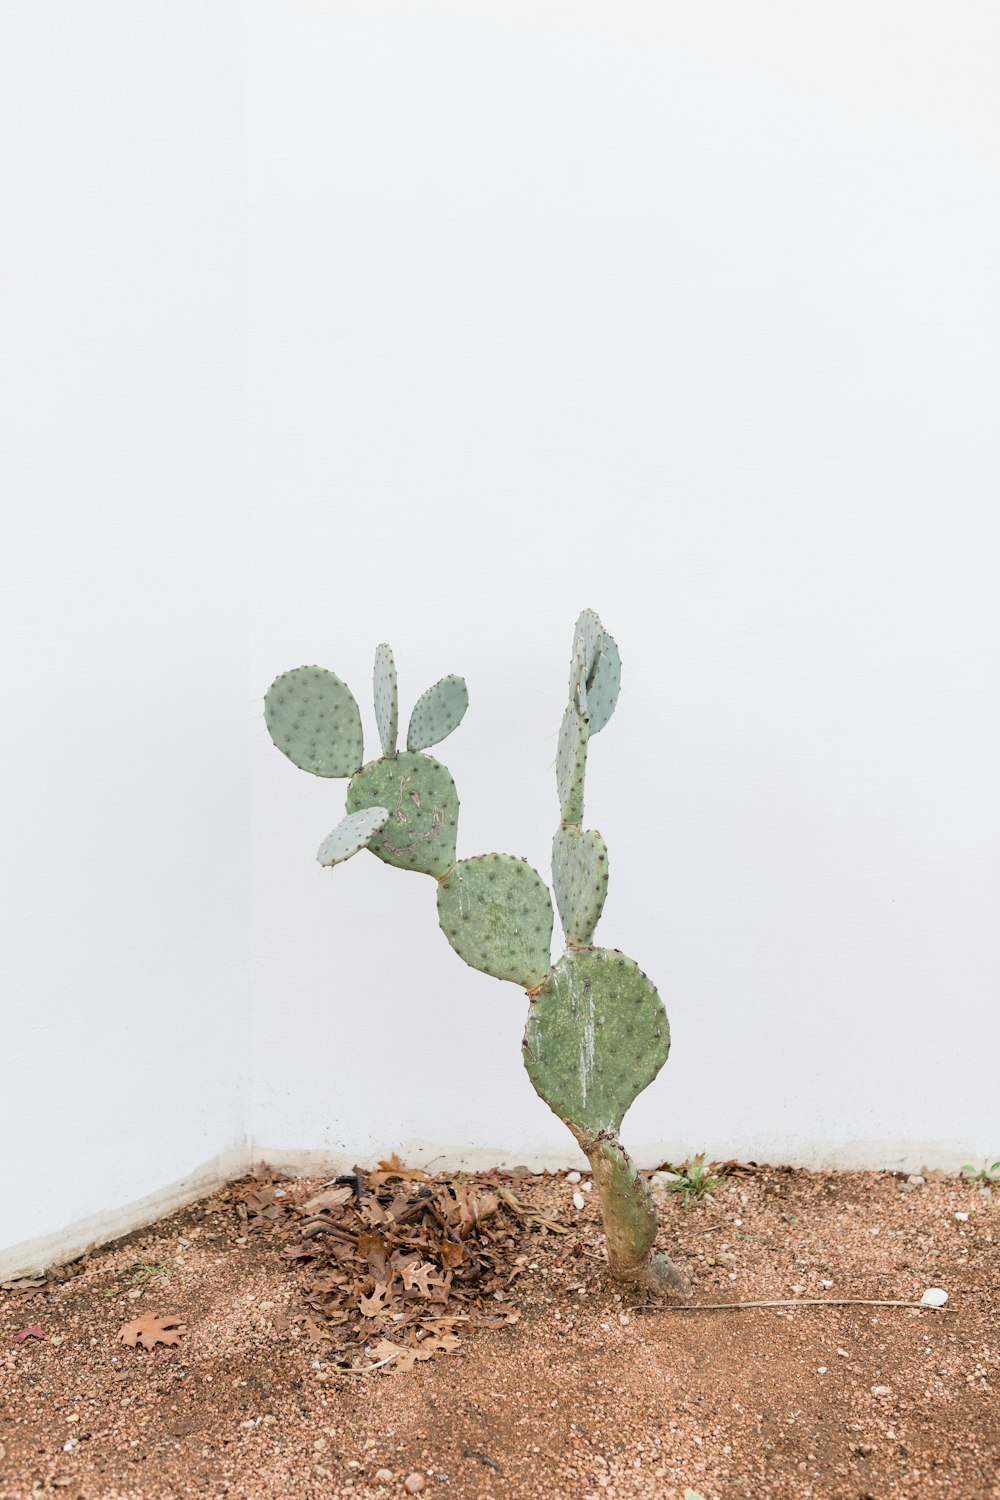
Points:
(597, 1033)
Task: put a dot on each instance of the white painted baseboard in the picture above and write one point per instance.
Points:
(33, 1256)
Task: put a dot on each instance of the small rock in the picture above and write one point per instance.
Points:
(579, 1201)
(962, 1218)
(624, 1318)
(414, 1483)
(574, 1176)
(587, 1186)
(663, 1179)
(935, 1296)
(383, 1476)
(821, 1370)
(798, 1291)
(881, 1390)
(915, 1180)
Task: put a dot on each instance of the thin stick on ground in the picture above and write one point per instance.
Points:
(798, 1302)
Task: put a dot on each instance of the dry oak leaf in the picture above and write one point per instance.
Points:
(34, 1332)
(333, 1198)
(418, 1278)
(394, 1168)
(149, 1331)
(406, 1358)
(375, 1304)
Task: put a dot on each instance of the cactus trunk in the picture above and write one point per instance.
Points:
(630, 1219)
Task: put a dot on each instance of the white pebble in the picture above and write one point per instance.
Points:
(586, 1186)
(934, 1296)
(579, 1201)
(962, 1218)
(573, 1176)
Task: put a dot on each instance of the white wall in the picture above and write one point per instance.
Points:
(122, 449)
(690, 314)
(686, 313)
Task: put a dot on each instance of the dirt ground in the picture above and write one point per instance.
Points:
(588, 1393)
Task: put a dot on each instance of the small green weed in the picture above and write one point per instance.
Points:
(696, 1177)
(136, 1275)
(988, 1173)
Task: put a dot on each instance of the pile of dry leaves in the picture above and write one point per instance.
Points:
(390, 1264)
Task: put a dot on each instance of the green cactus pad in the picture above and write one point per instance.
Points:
(496, 912)
(437, 712)
(422, 828)
(587, 635)
(351, 834)
(571, 764)
(597, 1035)
(386, 699)
(580, 877)
(313, 719)
(605, 681)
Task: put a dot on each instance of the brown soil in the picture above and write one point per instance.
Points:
(589, 1393)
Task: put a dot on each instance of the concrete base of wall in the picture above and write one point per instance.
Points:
(34, 1256)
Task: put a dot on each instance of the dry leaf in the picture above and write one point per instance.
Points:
(530, 1215)
(332, 1198)
(34, 1332)
(394, 1168)
(452, 1254)
(149, 1331)
(375, 1304)
(472, 1206)
(417, 1277)
(406, 1358)
(374, 1248)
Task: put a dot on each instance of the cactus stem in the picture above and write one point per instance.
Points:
(630, 1219)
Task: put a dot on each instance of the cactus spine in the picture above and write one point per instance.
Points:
(597, 1033)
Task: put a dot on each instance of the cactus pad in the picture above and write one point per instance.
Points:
(605, 681)
(422, 828)
(496, 912)
(571, 764)
(596, 1036)
(580, 877)
(351, 834)
(587, 635)
(386, 699)
(313, 719)
(437, 712)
